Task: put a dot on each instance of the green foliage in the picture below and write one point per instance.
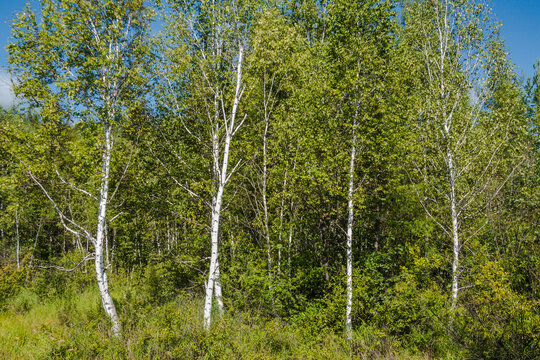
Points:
(72, 70)
(315, 73)
(12, 280)
(53, 281)
(496, 322)
(164, 278)
(65, 328)
(23, 301)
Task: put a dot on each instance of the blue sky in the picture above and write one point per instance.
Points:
(520, 30)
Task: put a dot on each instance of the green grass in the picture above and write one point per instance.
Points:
(73, 326)
(30, 333)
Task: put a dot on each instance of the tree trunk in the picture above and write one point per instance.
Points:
(17, 238)
(222, 177)
(455, 234)
(214, 236)
(217, 289)
(350, 224)
(265, 209)
(101, 269)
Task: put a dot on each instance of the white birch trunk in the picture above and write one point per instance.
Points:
(217, 290)
(265, 208)
(289, 250)
(107, 262)
(2, 229)
(281, 217)
(217, 201)
(350, 224)
(17, 238)
(291, 229)
(455, 233)
(214, 235)
(101, 269)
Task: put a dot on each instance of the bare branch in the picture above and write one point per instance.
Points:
(239, 125)
(115, 216)
(232, 171)
(86, 258)
(74, 187)
(63, 218)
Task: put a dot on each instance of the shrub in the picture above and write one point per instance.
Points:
(12, 280)
(496, 322)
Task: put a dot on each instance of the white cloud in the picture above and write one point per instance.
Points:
(7, 98)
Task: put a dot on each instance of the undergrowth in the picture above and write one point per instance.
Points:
(55, 315)
(70, 324)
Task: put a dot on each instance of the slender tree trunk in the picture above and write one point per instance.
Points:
(290, 240)
(17, 238)
(291, 226)
(222, 178)
(107, 259)
(455, 233)
(217, 285)
(281, 216)
(233, 243)
(2, 231)
(113, 247)
(101, 269)
(216, 210)
(265, 208)
(36, 240)
(214, 236)
(350, 224)
(289, 250)
(168, 236)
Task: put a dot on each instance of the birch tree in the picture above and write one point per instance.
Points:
(465, 138)
(274, 66)
(82, 62)
(210, 37)
(359, 41)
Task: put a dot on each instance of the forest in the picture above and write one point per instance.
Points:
(268, 179)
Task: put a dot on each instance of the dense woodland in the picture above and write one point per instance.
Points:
(294, 179)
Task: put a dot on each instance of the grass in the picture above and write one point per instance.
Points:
(29, 333)
(73, 326)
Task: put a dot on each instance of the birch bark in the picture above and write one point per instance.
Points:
(213, 286)
(96, 53)
(455, 232)
(265, 201)
(17, 237)
(456, 44)
(350, 224)
(101, 269)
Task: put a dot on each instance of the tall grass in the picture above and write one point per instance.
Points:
(74, 327)
(70, 324)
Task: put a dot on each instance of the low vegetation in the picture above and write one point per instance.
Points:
(59, 316)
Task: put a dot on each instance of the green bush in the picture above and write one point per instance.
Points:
(496, 322)
(163, 278)
(23, 301)
(12, 280)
